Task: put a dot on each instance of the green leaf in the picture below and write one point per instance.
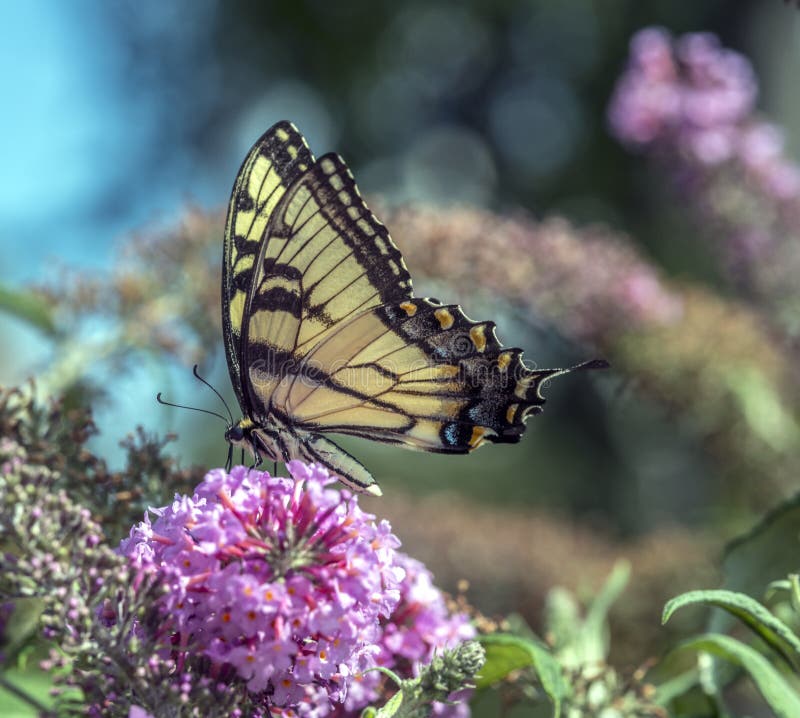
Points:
(33, 683)
(506, 653)
(794, 591)
(391, 707)
(28, 306)
(24, 624)
(762, 407)
(562, 620)
(678, 685)
(519, 627)
(782, 584)
(777, 692)
(755, 616)
(767, 553)
(594, 635)
(576, 640)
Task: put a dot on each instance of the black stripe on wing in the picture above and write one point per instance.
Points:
(287, 154)
(343, 207)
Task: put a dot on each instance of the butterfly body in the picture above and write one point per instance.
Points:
(323, 333)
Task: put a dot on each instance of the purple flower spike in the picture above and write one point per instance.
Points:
(282, 579)
(690, 103)
(287, 583)
(692, 93)
(420, 627)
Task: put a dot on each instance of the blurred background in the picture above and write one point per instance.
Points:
(480, 127)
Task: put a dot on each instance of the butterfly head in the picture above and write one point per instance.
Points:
(263, 442)
(242, 435)
(238, 434)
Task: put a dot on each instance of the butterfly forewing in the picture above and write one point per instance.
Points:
(324, 260)
(272, 166)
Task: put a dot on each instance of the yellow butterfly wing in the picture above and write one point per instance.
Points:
(323, 333)
(272, 166)
(419, 374)
(302, 253)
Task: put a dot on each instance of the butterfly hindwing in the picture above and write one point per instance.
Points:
(415, 373)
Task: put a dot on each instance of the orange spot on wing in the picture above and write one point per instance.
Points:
(476, 439)
(444, 317)
(478, 336)
(511, 412)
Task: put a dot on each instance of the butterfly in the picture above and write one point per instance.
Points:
(323, 333)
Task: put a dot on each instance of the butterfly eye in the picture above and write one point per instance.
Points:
(234, 434)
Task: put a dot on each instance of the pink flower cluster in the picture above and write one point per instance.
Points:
(287, 582)
(690, 103)
(693, 96)
(420, 626)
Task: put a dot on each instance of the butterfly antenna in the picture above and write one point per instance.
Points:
(592, 364)
(191, 408)
(224, 403)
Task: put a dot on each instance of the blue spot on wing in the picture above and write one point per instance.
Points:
(450, 433)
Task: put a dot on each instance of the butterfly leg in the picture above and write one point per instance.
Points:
(257, 459)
